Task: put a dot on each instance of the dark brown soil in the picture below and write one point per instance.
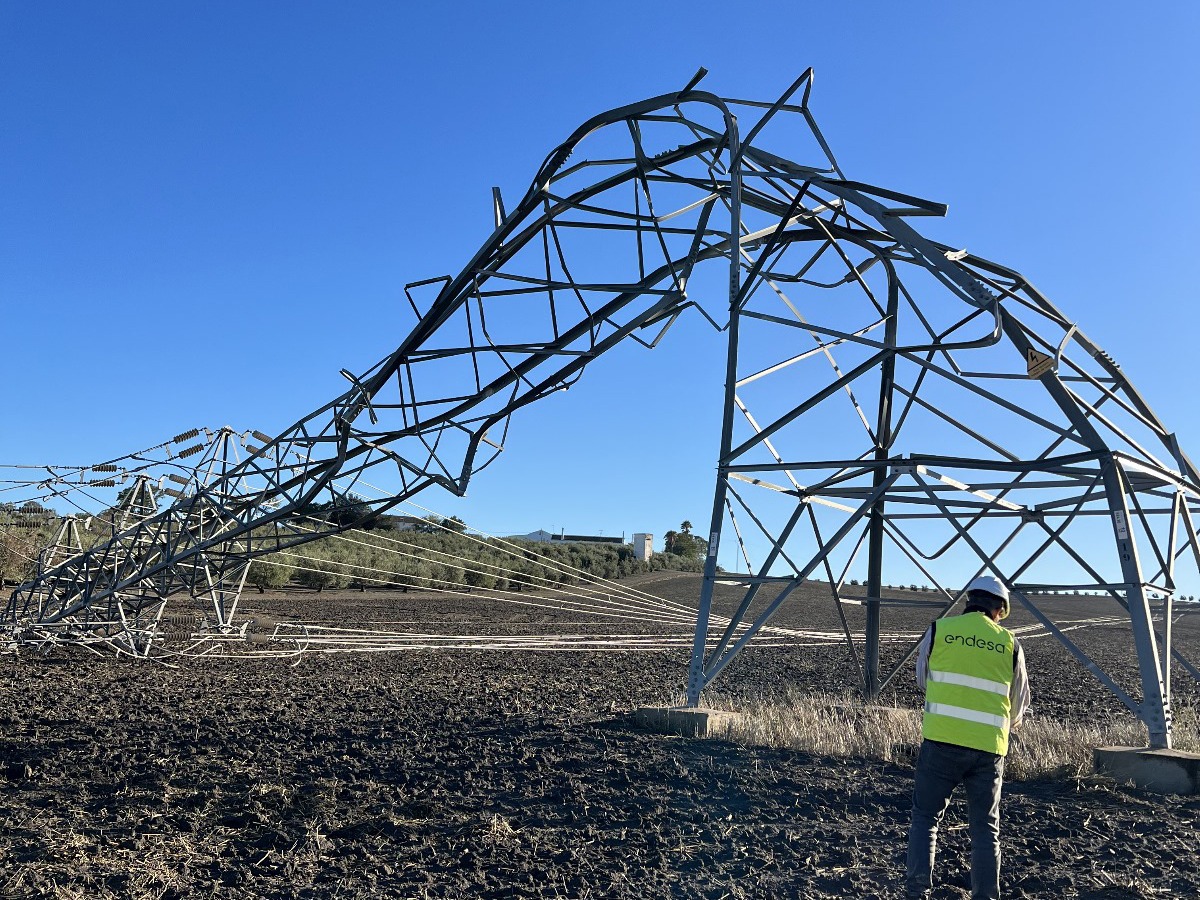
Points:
(511, 774)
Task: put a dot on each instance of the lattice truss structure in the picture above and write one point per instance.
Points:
(888, 397)
(104, 503)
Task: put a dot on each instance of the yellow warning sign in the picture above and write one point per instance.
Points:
(1039, 363)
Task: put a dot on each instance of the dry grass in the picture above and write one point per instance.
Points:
(498, 832)
(842, 725)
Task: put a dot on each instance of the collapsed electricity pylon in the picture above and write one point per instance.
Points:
(132, 618)
(887, 397)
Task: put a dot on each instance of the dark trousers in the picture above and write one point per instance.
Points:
(940, 768)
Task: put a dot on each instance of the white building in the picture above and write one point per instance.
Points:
(643, 544)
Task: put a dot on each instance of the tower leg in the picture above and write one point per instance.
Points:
(1156, 698)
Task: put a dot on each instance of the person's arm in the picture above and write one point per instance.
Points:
(1018, 692)
(923, 658)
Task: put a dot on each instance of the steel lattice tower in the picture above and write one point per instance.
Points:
(886, 396)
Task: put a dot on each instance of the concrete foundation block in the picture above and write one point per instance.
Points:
(690, 722)
(1161, 771)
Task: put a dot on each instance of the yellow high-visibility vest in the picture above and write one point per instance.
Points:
(971, 662)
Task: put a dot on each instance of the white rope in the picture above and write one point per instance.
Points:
(521, 552)
(518, 550)
(522, 578)
(553, 562)
(685, 615)
(391, 580)
(569, 607)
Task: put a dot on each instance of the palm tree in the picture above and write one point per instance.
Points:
(686, 527)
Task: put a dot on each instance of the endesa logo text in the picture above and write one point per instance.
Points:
(972, 641)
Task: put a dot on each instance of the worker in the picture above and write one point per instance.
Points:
(976, 690)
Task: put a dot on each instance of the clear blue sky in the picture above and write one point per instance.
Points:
(207, 209)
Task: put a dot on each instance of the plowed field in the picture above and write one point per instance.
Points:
(513, 773)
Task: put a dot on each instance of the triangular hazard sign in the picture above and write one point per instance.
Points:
(1039, 363)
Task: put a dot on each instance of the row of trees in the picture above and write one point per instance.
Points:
(436, 553)
(451, 561)
(433, 555)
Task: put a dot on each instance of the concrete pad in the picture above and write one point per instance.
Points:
(688, 721)
(1161, 771)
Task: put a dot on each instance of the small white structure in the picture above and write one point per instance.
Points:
(406, 523)
(643, 546)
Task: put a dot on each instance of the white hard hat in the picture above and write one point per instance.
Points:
(990, 584)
